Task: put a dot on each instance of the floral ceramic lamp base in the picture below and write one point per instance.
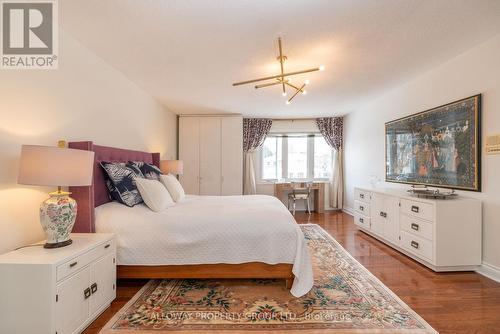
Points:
(57, 216)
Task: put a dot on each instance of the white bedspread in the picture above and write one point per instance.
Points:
(210, 229)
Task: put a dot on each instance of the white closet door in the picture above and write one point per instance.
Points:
(210, 156)
(232, 155)
(189, 153)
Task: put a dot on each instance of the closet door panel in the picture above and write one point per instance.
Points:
(189, 152)
(210, 156)
(232, 155)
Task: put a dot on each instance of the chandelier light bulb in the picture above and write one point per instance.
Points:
(287, 102)
(322, 68)
(304, 92)
(307, 82)
(284, 93)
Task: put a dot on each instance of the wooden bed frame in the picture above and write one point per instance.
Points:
(88, 198)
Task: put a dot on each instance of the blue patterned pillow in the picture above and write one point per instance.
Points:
(112, 192)
(121, 184)
(150, 172)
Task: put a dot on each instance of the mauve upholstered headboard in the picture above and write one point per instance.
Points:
(88, 198)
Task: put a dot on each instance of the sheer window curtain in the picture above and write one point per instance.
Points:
(332, 130)
(255, 131)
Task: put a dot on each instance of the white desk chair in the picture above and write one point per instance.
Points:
(300, 191)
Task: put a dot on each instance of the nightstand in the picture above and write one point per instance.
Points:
(59, 290)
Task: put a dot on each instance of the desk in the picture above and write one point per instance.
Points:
(317, 187)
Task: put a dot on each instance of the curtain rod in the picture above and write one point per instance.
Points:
(302, 119)
(294, 119)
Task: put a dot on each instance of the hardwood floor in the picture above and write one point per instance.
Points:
(450, 302)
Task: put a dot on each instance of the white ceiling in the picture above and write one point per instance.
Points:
(187, 53)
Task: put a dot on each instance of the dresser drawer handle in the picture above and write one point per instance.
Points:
(414, 208)
(107, 246)
(361, 220)
(87, 293)
(361, 195)
(362, 208)
(93, 288)
(415, 226)
(71, 265)
(414, 244)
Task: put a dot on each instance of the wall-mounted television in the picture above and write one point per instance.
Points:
(440, 147)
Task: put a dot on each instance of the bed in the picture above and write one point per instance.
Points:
(200, 237)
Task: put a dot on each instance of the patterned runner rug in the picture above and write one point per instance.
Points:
(346, 298)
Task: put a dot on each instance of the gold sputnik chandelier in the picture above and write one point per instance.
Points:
(283, 79)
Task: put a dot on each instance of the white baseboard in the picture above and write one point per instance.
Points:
(348, 210)
(489, 271)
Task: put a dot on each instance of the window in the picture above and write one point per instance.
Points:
(271, 158)
(322, 159)
(295, 157)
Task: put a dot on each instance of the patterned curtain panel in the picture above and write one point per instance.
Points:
(332, 130)
(255, 131)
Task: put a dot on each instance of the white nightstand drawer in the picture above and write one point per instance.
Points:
(362, 195)
(418, 209)
(73, 265)
(416, 245)
(418, 227)
(362, 208)
(361, 220)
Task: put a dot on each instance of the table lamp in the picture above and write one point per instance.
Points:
(56, 166)
(172, 167)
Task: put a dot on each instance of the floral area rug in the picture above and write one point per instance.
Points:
(346, 298)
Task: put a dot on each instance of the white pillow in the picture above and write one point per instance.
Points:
(174, 186)
(154, 194)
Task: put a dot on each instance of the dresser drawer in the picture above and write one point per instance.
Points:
(362, 208)
(72, 266)
(418, 209)
(362, 195)
(416, 245)
(418, 227)
(361, 220)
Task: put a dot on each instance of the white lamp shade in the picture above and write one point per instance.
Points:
(54, 166)
(172, 166)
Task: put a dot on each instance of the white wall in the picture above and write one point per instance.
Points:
(476, 71)
(85, 99)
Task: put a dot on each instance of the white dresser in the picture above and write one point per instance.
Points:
(442, 234)
(61, 290)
